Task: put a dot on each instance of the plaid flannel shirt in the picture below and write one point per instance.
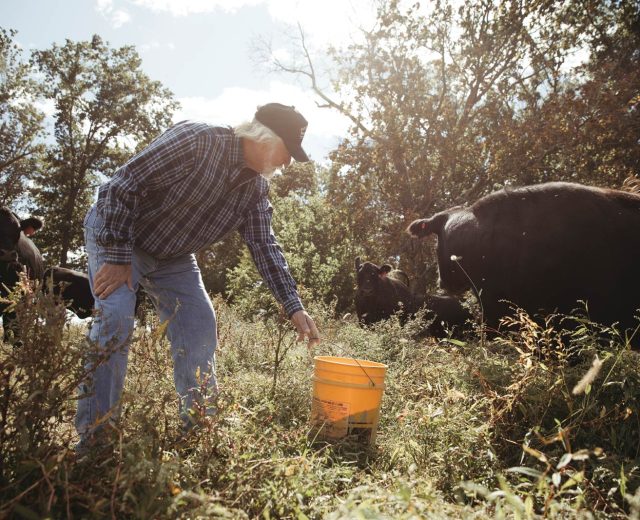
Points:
(188, 189)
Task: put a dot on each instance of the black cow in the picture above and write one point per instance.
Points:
(73, 287)
(446, 313)
(382, 292)
(18, 254)
(544, 248)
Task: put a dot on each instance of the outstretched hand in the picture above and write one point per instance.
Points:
(110, 277)
(306, 328)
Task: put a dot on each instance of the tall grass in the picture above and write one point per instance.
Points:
(468, 429)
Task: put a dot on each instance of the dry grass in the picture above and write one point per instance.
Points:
(473, 430)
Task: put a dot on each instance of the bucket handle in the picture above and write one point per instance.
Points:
(357, 363)
(365, 372)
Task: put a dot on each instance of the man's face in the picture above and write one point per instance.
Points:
(276, 157)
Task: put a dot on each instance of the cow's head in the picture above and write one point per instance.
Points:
(30, 225)
(451, 266)
(369, 275)
(426, 226)
(10, 229)
(9, 235)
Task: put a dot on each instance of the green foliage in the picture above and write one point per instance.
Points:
(316, 242)
(37, 404)
(105, 108)
(547, 399)
(20, 122)
(585, 127)
(216, 261)
(480, 430)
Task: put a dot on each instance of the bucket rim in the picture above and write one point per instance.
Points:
(347, 384)
(350, 361)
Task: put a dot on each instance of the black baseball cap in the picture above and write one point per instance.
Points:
(288, 124)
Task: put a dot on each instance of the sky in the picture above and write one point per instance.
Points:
(204, 50)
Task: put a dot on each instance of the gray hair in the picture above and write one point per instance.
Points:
(256, 131)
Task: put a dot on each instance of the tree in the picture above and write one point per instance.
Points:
(449, 102)
(316, 240)
(20, 122)
(105, 107)
(588, 129)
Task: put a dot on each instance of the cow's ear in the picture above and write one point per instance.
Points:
(423, 227)
(384, 270)
(29, 226)
(358, 263)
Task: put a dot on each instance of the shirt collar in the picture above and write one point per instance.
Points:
(235, 156)
(239, 171)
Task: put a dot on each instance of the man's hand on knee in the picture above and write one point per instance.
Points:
(110, 277)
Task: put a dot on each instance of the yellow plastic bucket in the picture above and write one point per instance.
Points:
(347, 394)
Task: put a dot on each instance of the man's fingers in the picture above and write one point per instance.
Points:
(102, 286)
(98, 287)
(110, 277)
(306, 328)
(313, 342)
(313, 334)
(103, 290)
(313, 331)
(98, 282)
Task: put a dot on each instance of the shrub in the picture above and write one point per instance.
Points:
(471, 428)
(39, 380)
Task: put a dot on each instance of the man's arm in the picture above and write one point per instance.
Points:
(171, 158)
(272, 266)
(168, 160)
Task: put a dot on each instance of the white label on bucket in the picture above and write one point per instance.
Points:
(331, 416)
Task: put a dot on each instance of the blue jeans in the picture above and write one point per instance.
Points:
(176, 289)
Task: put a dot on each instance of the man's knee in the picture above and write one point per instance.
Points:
(113, 319)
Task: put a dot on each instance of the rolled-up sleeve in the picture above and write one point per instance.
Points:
(268, 256)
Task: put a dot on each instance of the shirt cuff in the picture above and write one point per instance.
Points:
(292, 306)
(118, 255)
